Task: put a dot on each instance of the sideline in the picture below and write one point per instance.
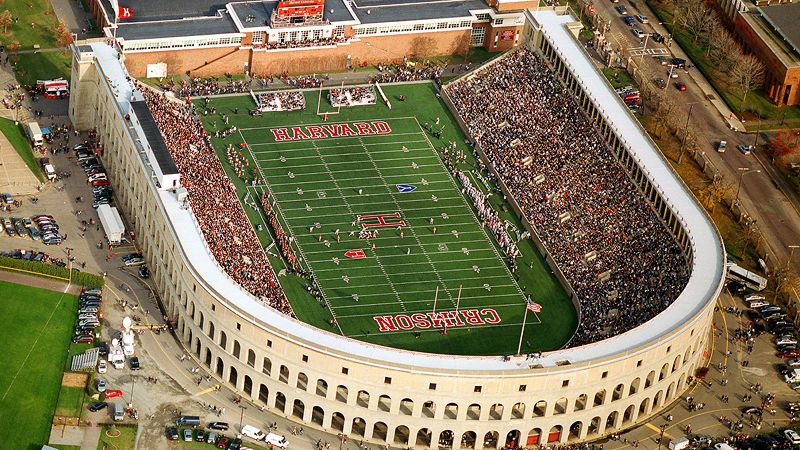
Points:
(44, 281)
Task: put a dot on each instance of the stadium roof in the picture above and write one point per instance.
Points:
(380, 11)
(202, 26)
(785, 19)
(335, 11)
(154, 138)
(147, 10)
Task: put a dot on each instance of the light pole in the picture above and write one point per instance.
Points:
(661, 436)
(742, 172)
(241, 416)
(685, 129)
(791, 254)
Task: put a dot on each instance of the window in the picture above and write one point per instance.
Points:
(269, 343)
(238, 326)
(605, 374)
(419, 26)
(669, 348)
(639, 363)
(305, 358)
(339, 30)
(498, 21)
(465, 23)
(477, 389)
(213, 307)
(432, 386)
(523, 387)
(477, 35)
(345, 370)
(482, 16)
(258, 37)
(387, 380)
(565, 383)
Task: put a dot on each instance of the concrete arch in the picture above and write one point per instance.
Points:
(342, 393)
(237, 349)
(266, 366)
(247, 386)
(429, 409)
(468, 439)
(211, 330)
(599, 398)
(612, 421)
(575, 431)
(650, 378)
(263, 394)
(644, 408)
(595, 426)
(474, 412)
(379, 431)
(518, 411)
(676, 364)
(208, 357)
(512, 439)
(384, 403)
(251, 358)
(664, 372)
(322, 388)
(202, 320)
(659, 398)
(359, 427)
(337, 421)
(451, 411)
(220, 366)
(490, 439)
(298, 408)
(634, 386)
(401, 435)
(561, 406)
(554, 435)
(280, 402)
(534, 437)
(424, 438)
(318, 416)
(629, 415)
(581, 402)
(446, 439)
(302, 381)
(540, 408)
(283, 374)
(496, 411)
(406, 407)
(223, 340)
(362, 399)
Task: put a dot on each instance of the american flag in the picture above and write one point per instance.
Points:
(534, 307)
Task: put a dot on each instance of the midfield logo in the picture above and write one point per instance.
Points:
(382, 222)
(333, 130)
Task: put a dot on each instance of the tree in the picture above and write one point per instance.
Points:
(714, 192)
(723, 51)
(6, 19)
(784, 143)
(747, 73)
(697, 20)
(713, 33)
(63, 34)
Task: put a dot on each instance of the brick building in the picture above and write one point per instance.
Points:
(208, 37)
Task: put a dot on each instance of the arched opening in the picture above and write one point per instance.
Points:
(318, 416)
(670, 391)
(341, 393)
(676, 364)
(266, 366)
(468, 439)
(429, 409)
(680, 383)
(644, 407)
(658, 398)
(599, 398)
(611, 421)
(359, 427)
(302, 381)
(687, 355)
(208, 357)
(496, 412)
(424, 437)
(384, 403)
(581, 402)
(379, 431)
(490, 439)
(401, 435)
(322, 388)
(628, 416)
(220, 366)
(202, 320)
(555, 434)
(362, 399)
(561, 406)
(299, 409)
(211, 330)
(197, 346)
(518, 411)
(233, 377)
(223, 340)
(594, 426)
(280, 402)
(337, 421)
(539, 408)
(283, 375)
(512, 439)
(575, 431)
(534, 437)
(649, 380)
(263, 394)
(251, 358)
(248, 386)
(451, 411)
(617, 394)
(406, 406)
(634, 386)
(446, 439)
(237, 349)
(474, 412)
(191, 310)
(664, 372)
(189, 337)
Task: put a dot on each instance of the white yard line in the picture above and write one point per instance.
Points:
(348, 171)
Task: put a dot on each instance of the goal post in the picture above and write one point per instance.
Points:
(319, 103)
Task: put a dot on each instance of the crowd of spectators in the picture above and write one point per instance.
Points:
(199, 87)
(352, 96)
(281, 101)
(321, 42)
(408, 71)
(284, 240)
(623, 264)
(212, 197)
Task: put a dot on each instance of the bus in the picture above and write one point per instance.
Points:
(743, 276)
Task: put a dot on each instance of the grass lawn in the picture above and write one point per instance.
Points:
(125, 441)
(69, 401)
(38, 12)
(42, 66)
(33, 360)
(21, 144)
(316, 184)
(65, 447)
(617, 77)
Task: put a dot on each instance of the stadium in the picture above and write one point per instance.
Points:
(407, 263)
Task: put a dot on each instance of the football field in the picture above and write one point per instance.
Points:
(397, 252)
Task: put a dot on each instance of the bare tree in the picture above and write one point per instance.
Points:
(698, 20)
(747, 73)
(713, 32)
(6, 19)
(724, 51)
(714, 192)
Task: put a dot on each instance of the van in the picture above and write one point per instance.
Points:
(187, 420)
(34, 133)
(722, 146)
(793, 376)
(723, 446)
(276, 440)
(679, 444)
(119, 411)
(253, 432)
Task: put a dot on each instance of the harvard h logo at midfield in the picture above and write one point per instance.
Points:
(381, 220)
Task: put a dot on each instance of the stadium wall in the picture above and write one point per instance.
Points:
(365, 391)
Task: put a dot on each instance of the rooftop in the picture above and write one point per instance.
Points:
(379, 11)
(148, 10)
(261, 12)
(201, 26)
(784, 18)
(154, 138)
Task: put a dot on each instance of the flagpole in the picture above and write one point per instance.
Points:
(522, 331)
(458, 300)
(435, 296)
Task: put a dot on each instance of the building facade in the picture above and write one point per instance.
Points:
(391, 396)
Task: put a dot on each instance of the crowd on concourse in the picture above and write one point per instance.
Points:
(320, 42)
(212, 196)
(623, 264)
(199, 87)
(393, 73)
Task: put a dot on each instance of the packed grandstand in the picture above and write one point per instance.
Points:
(623, 264)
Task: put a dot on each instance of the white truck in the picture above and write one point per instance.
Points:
(276, 440)
(112, 223)
(34, 133)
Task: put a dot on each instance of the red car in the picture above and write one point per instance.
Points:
(680, 86)
(96, 183)
(112, 393)
(222, 442)
(789, 354)
(83, 339)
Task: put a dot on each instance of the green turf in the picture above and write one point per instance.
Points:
(21, 144)
(35, 328)
(42, 66)
(123, 437)
(402, 274)
(69, 401)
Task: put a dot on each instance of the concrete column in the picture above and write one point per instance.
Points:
(307, 413)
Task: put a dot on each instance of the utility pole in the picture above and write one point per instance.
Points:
(685, 130)
(742, 172)
(791, 254)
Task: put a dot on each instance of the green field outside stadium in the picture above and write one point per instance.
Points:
(431, 254)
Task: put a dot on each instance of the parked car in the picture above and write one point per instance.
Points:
(792, 436)
(113, 393)
(786, 340)
(656, 37)
(100, 183)
(621, 9)
(628, 20)
(789, 354)
(721, 147)
(642, 19)
(102, 366)
(222, 442)
(638, 33)
(135, 363)
(97, 406)
(187, 435)
(83, 339)
(172, 433)
(220, 426)
(199, 435)
(745, 149)
(211, 437)
(681, 86)
(144, 272)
